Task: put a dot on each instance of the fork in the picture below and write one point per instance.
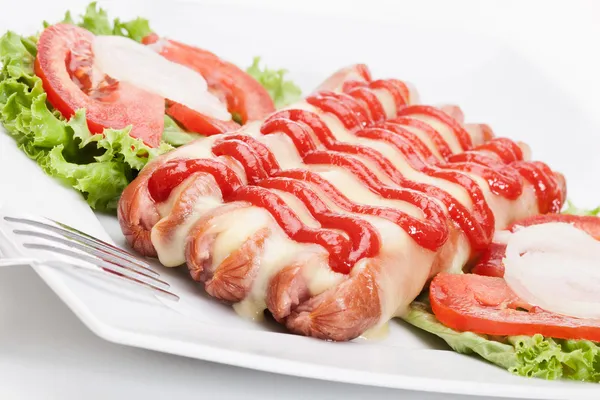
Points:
(37, 241)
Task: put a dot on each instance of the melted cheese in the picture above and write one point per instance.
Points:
(171, 249)
(201, 148)
(279, 252)
(320, 277)
(404, 265)
(425, 138)
(165, 208)
(233, 228)
(402, 262)
(288, 157)
(378, 332)
(387, 101)
(283, 149)
(355, 190)
(447, 133)
(393, 155)
(299, 208)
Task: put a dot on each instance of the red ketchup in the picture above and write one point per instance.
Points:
(438, 140)
(349, 239)
(463, 136)
(164, 180)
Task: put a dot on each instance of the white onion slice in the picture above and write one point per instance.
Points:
(557, 267)
(501, 237)
(129, 61)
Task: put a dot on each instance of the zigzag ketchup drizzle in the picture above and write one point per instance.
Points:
(431, 233)
(348, 238)
(479, 229)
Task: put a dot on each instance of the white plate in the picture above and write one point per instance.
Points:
(491, 83)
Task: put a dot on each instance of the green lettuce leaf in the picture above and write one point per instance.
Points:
(175, 136)
(533, 356)
(136, 29)
(500, 354)
(95, 20)
(555, 358)
(530, 356)
(99, 166)
(101, 182)
(282, 91)
(116, 143)
(572, 209)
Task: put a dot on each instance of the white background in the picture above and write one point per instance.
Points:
(46, 353)
(560, 36)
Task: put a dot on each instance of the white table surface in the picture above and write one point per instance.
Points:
(46, 353)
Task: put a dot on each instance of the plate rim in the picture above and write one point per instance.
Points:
(272, 364)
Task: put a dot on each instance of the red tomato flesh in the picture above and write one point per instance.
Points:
(65, 64)
(486, 305)
(490, 263)
(243, 95)
(587, 223)
(196, 122)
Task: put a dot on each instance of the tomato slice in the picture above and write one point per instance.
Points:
(65, 63)
(587, 223)
(486, 305)
(196, 122)
(490, 263)
(244, 95)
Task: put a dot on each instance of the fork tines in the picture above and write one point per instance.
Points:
(88, 249)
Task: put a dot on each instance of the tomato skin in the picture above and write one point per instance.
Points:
(65, 65)
(196, 122)
(490, 263)
(243, 94)
(587, 223)
(486, 305)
